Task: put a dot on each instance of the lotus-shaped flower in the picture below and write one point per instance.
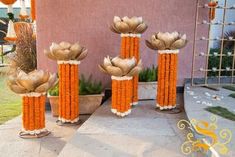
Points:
(36, 81)
(121, 67)
(66, 51)
(133, 25)
(167, 41)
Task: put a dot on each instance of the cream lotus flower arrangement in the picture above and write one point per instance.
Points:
(36, 81)
(66, 51)
(167, 41)
(121, 67)
(134, 25)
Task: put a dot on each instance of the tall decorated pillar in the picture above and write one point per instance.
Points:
(130, 30)
(167, 46)
(68, 57)
(32, 87)
(122, 71)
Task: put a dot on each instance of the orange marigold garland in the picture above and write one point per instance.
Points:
(122, 72)
(68, 57)
(32, 87)
(168, 45)
(130, 30)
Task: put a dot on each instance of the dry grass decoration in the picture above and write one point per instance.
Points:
(25, 56)
(68, 57)
(122, 71)
(32, 87)
(167, 45)
(130, 30)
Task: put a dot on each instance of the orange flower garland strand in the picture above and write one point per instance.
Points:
(167, 80)
(121, 95)
(33, 10)
(33, 112)
(69, 93)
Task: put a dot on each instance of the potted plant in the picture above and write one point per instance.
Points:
(53, 96)
(148, 83)
(90, 96)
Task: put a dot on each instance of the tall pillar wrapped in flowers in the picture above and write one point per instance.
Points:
(121, 71)
(167, 45)
(68, 57)
(32, 87)
(130, 30)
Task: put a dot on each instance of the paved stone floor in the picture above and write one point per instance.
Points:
(144, 133)
(13, 146)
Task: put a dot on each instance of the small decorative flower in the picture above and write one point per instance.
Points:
(65, 51)
(214, 69)
(133, 25)
(121, 67)
(167, 41)
(36, 81)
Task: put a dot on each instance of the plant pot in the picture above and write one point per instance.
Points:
(147, 90)
(89, 103)
(54, 102)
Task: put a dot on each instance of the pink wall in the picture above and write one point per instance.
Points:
(87, 21)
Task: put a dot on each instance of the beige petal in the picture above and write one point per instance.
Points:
(159, 44)
(114, 71)
(116, 19)
(124, 64)
(17, 89)
(122, 27)
(167, 38)
(55, 47)
(52, 79)
(107, 61)
(135, 71)
(149, 44)
(61, 54)
(76, 49)
(45, 77)
(178, 44)
(27, 84)
(141, 28)
(133, 22)
(102, 69)
(113, 29)
(49, 54)
(11, 79)
(65, 45)
(42, 88)
(82, 55)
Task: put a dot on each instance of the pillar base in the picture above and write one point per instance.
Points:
(168, 107)
(34, 134)
(64, 122)
(114, 111)
(134, 103)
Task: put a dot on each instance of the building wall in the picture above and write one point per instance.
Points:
(87, 21)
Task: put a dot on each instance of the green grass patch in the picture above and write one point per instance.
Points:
(10, 103)
(232, 95)
(232, 88)
(221, 111)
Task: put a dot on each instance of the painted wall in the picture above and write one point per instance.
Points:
(87, 21)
